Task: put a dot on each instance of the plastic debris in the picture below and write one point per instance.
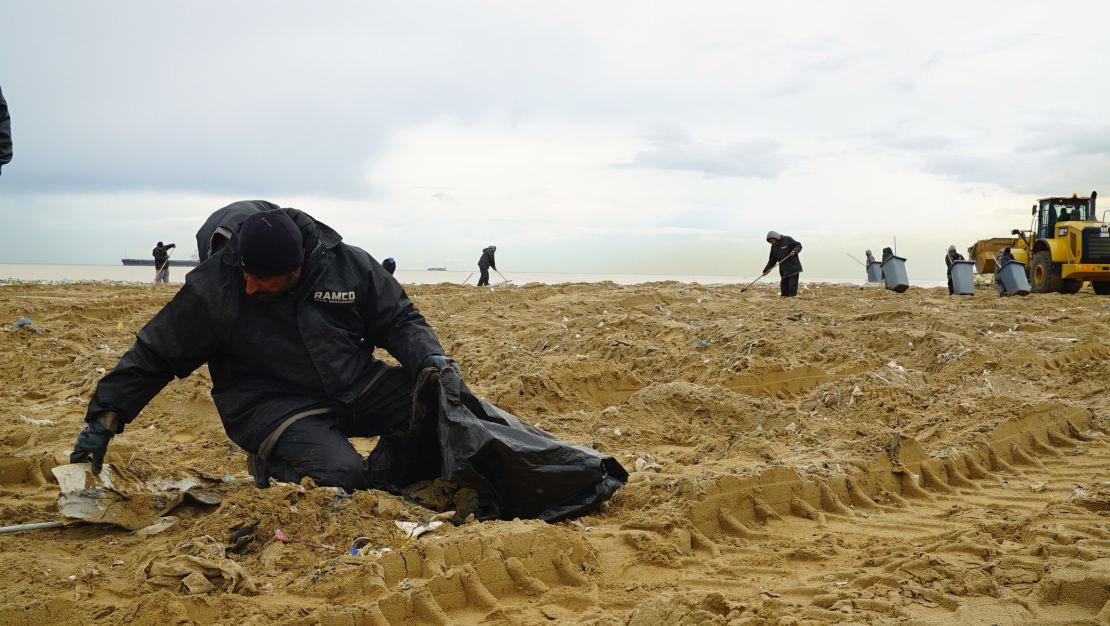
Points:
(1078, 494)
(358, 545)
(27, 324)
(241, 536)
(163, 524)
(1038, 486)
(280, 535)
(413, 530)
(35, 422)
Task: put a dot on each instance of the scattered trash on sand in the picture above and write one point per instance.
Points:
(280, 535)
(123, 497)
(413, 530)
(37, 422)
(197, 567)
(26, 324)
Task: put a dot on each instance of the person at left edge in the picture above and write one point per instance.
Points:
(286, 316)
(5, 132)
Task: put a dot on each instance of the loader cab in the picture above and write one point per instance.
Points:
(1049, 211)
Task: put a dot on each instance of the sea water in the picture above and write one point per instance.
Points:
(141, 274)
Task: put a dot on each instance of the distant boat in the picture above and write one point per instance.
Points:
(437, 269)
(173, 262)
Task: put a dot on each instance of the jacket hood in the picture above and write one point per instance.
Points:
(773, 235)
(222, 226)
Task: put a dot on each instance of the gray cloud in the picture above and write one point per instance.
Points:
(1067, 137)
(674, 149)
(912, 143)
(281, 97)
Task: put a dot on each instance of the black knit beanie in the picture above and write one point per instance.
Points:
(270, 244)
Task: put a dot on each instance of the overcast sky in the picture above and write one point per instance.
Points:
(663, 137)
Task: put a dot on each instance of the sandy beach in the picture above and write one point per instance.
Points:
(848, 456)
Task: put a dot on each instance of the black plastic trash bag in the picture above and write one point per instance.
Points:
(516, 469)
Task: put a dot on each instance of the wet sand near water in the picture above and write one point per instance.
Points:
(848, 456)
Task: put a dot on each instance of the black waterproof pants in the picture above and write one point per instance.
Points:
(788, 286)
(483, 280)
(317, 445)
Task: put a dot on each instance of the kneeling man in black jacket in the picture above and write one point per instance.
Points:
(287, 317)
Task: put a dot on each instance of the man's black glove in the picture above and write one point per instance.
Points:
(450, 376)
(92, 443)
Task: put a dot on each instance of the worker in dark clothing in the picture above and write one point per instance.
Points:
(870, 257)
(390, 265)
(5, 132)
(162, 262)
(1003, 257)
(950, 260)
(287, 317)
(784, 253)
(485, 262)
(887, 253)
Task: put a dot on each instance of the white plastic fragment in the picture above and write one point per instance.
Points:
(412, 530)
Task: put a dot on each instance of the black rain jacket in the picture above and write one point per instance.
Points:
(785, 246)
(5, 132)
(950, 259)
(312, 347)
(487, 260)
(162, 255)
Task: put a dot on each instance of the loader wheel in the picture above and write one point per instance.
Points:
(1044, 276)
(1102, 289)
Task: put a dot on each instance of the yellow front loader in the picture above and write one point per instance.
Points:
(1066, 245)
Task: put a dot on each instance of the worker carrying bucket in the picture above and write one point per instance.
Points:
(874, 268)
(1009, 276)
(894, 271)
(961, 280)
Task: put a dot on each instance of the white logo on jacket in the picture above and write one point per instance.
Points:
(337, 297)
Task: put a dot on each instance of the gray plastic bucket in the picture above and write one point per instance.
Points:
(894, 274)
(874, 272)
(963, 279)
(1013, 278)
